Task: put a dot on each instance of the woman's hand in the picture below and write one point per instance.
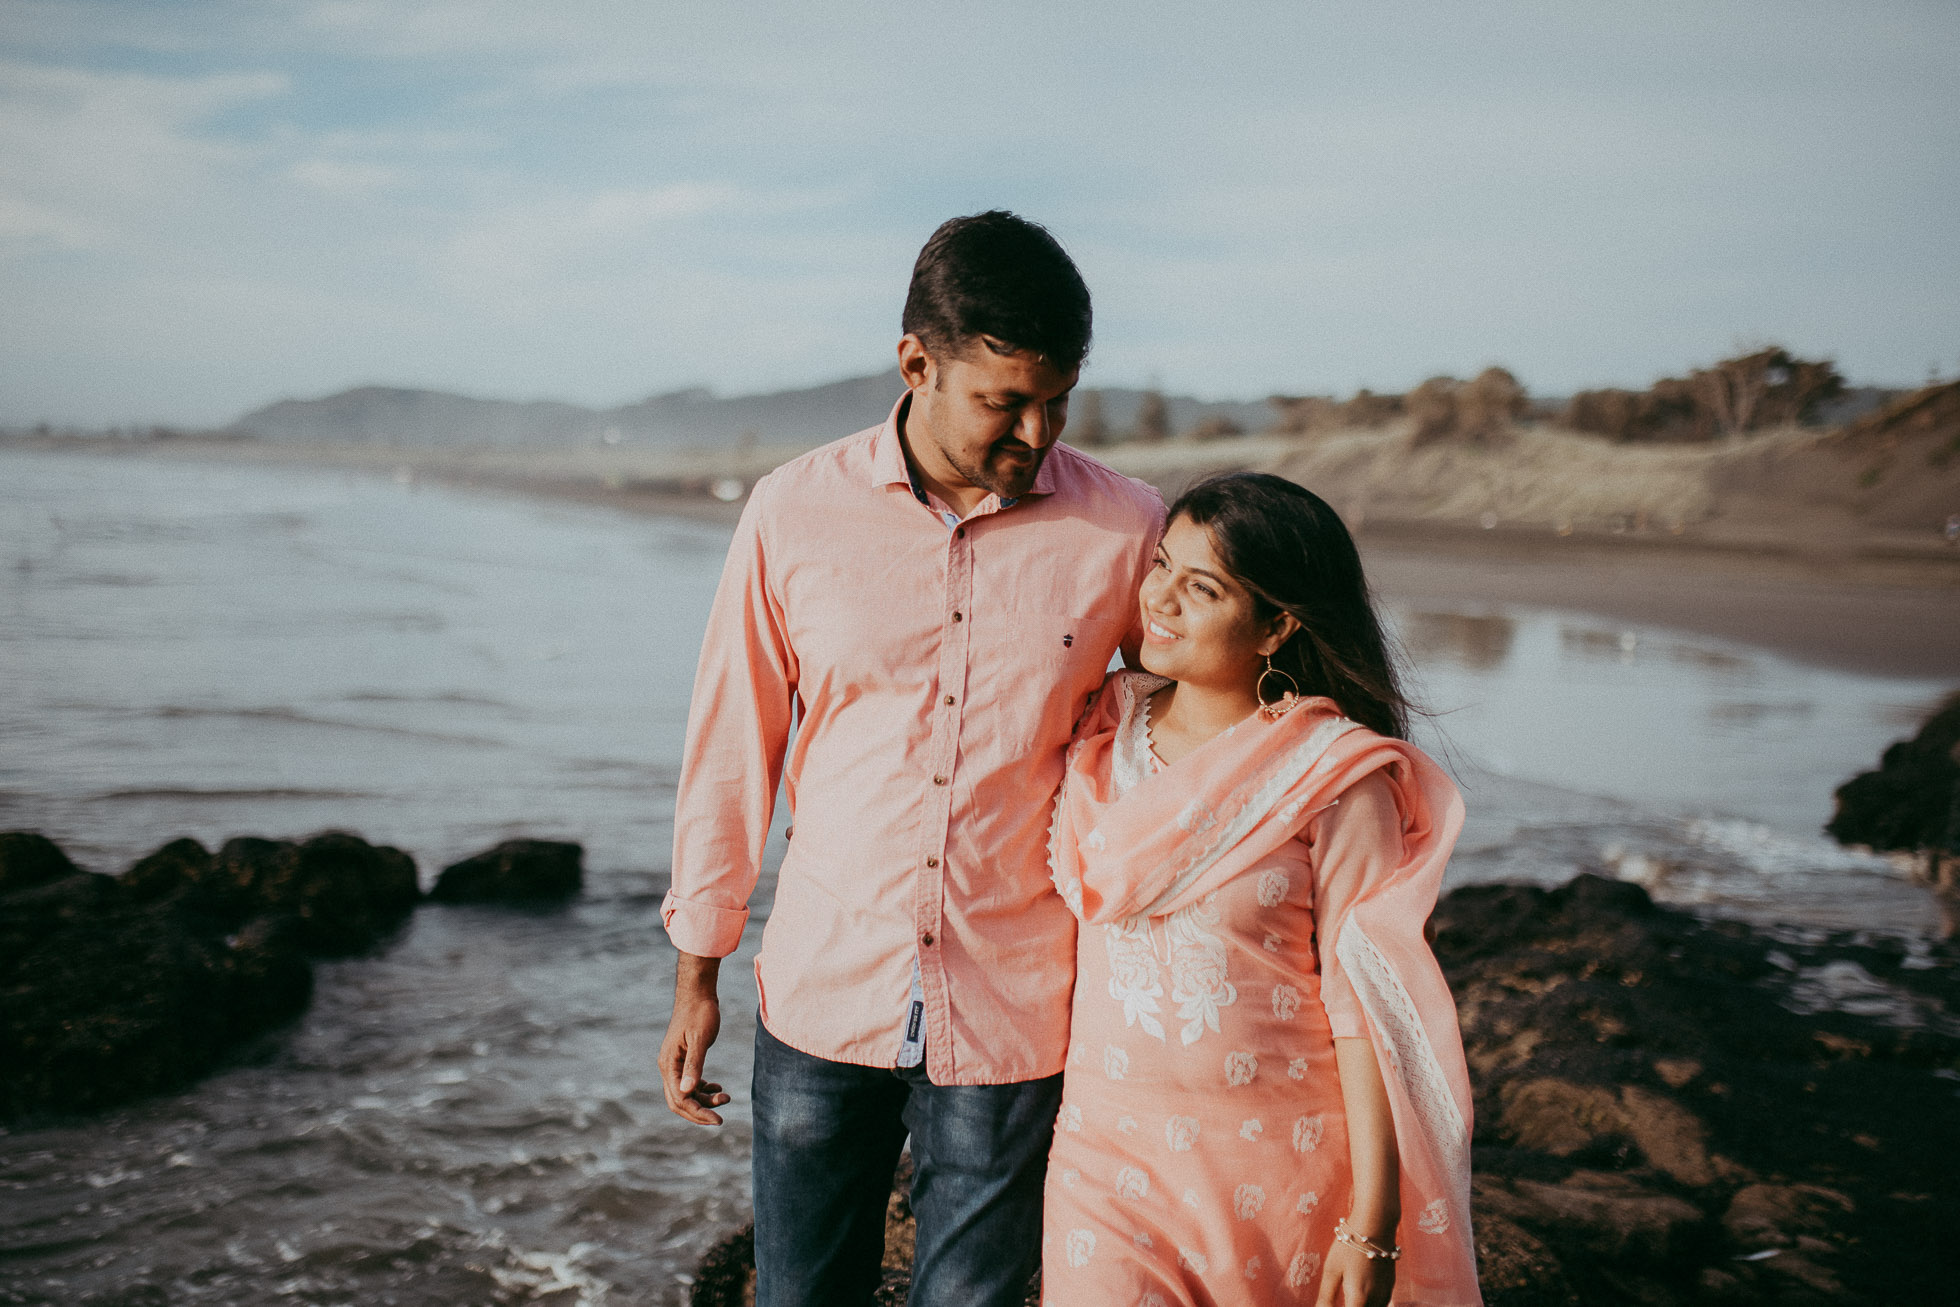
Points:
(1351, 1278)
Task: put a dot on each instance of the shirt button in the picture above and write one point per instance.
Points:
(932, 862)
(949, 701)
(956, 617)
(926, 940)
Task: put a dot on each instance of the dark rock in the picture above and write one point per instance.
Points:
(1612, 1217)
(28, 859)
(1565, 1119)
(1775, 1215)
(345, 893)
(726, 1275)
(1514, 1267)
(1652, 1108)
(172, 869)
(111, 988)
(103, 999)
(516, 871)
(1912, 802)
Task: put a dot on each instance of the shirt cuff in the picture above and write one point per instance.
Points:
(703, 929)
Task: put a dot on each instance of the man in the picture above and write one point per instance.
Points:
(931, 603)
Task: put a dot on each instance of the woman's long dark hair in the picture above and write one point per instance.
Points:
(1293, 554)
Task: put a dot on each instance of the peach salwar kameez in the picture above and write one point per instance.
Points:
(1239, 911)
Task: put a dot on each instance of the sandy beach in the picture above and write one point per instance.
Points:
(1808, 581)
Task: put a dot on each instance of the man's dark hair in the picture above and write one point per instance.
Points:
(996, 274)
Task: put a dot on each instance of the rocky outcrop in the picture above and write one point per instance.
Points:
(1665, 1116)
(28, 860)
(515, 872)
(112, 987)
(341, 894)
(1661, 1120)
(1911, 803)
(115, 987)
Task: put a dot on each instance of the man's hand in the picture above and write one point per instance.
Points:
(691, 1030)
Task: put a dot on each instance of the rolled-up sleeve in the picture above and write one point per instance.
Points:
(1357, 847)
(737, 731)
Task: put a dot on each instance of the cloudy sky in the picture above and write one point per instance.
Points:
(208, 205)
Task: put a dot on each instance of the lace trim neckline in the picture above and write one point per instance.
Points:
(1135, 757)
(1145, 742)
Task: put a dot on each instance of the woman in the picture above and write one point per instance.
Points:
(1265, 1098)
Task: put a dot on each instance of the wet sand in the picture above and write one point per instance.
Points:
(1872, 603)
(1874, 616)
(1878, 615)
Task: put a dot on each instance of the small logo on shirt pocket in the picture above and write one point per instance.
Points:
(1068, 641)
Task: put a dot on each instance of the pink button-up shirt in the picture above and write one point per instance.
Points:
(932, 678)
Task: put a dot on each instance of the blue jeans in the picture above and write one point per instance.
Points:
(827, 1139)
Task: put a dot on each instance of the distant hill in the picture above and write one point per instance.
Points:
(386, 415)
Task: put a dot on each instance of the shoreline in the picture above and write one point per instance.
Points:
(1873, 617)
(1877, 603)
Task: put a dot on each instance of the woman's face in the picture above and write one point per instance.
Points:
(1199, 625)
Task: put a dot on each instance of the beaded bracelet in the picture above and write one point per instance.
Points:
(1369, 1248)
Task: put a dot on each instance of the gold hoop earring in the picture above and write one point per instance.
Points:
(1287, 698)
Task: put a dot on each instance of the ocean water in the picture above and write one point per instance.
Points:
(472, 1115)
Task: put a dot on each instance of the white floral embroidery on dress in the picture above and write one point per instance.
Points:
(1306, 1133)
(1252, 1266)
(1272, 943)
(1095, 841)
(1081, 1245)
(1302, 1269)
(1151, 1298)
(1286, 1001)
(1249, 1130)
(1199, 985)
(1196, 817)
(1247, 1200)
(1297, 1069)
(1143, 1240)
(1070, 1117)
(1132, 1182)
(1126, 1125)
(1273, 885)
(1180, 1132)
(1308, 1201)
(1435, 1218)
(1195, 1261)
(1191, 1198)
(1240, 1068)
(1116, 1063)
(1134, 978)
(1253, 807)
(1070, 1178)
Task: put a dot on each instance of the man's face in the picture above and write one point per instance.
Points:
(991, 416)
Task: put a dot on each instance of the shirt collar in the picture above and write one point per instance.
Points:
(889, 468)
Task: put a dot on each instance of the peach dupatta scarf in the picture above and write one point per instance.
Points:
(1178, 835)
